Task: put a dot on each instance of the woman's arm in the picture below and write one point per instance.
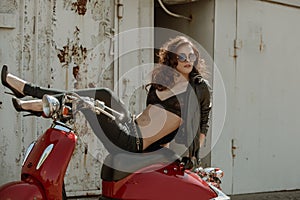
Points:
(205, 107)
(202, 139)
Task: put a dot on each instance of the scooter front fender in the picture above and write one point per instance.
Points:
(21, 190)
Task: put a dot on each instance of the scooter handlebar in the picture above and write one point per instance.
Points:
(58, 107)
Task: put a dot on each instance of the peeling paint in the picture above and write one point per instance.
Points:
(79, 7)
(75, 71)
(54, 20)
(8, 6)
(26, 51)
(99, 9)
(72, 51)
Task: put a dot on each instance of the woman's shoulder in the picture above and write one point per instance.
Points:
(200, 81)
(202, 87)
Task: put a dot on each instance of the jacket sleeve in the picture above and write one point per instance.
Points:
(205, 106)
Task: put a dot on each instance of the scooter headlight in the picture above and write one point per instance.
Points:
(221, 195)
(50, 105)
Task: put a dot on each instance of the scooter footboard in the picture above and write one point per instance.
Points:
(21, 190)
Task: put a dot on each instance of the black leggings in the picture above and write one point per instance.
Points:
(115, 135)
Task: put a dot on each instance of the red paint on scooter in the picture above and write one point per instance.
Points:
(22, 190)
(159, 182)
(51, 172)
(46, 181)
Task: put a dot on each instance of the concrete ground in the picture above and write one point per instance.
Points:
(283, 195)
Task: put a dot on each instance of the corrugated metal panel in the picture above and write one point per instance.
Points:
(67, 45)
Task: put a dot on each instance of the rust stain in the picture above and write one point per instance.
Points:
(99, 9)
(91, 85)
(26, 51)
(79, 6)
(72, 52)
(54, 19)
(63, 54)
(75, 71)
(261, 44)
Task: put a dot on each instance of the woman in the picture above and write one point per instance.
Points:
(158, 124)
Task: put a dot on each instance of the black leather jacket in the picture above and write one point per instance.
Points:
(196, 115)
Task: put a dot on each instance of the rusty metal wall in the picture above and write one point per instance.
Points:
(65, 44)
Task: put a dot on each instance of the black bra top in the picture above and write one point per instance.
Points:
(174, 104)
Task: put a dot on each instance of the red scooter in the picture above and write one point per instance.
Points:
(152, 176)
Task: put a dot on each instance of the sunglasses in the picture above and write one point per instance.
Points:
(183, 58)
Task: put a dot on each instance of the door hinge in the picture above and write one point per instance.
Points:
(120, 9)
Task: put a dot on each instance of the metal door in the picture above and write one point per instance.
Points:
(57, 44)
(266, 126)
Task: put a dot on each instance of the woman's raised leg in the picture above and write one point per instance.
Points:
(114, 134)
(15, 84)
(35, 106)
(22, 88)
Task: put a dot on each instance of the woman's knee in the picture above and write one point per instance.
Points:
(96, 93)
(104, 94)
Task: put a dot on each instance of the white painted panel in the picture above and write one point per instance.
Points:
(267, 116)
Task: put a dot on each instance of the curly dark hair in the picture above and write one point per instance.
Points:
(165, 70)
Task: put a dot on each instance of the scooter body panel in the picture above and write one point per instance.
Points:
(22, 190)
(49, 159)
(159, 182)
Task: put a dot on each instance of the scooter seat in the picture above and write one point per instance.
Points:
(118, 166)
